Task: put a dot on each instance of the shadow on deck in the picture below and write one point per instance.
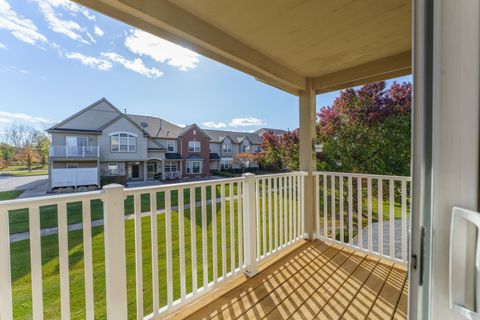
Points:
(314, 281)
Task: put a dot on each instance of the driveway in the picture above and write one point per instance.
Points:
(34, 186)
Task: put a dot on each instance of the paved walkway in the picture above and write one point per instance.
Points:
(34, 186)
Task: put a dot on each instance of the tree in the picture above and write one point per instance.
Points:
(367, 130)
(289, 150)
(27, 155)
(244, 159)
(7, 151)
(42, 145)
(3, 164)
(270, 156)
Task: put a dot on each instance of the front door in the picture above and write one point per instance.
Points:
(135, 171)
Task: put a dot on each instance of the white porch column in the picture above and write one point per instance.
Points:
(163, 169)
(307, 109)
(145, 171)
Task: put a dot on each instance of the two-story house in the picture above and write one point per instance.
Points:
(100, 140)
(226, 145)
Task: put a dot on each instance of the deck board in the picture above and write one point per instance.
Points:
(316, 281)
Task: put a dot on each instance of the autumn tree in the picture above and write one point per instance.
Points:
(270, 157)
(244, 159)
(27, 155)
(367, 130)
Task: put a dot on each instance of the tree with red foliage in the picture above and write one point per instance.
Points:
(367, 130)
(270, 157)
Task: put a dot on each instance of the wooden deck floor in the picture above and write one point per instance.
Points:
(316, 281)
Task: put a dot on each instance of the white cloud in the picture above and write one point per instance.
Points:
(55, 19)
(160, 50)
(181, 125)
(21, 28)
(93, 62)
(214, 125)
(8, 117)
(135, 65)
(245, 122)
(99, 32)
(2, 46)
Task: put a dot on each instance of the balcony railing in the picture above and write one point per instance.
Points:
(75, 151)
(166, 245)
(368, 212)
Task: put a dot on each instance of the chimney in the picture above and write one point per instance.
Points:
(125, 110)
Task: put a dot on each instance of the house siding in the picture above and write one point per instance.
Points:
(123, 125)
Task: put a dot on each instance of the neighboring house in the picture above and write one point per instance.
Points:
(100, 140)
(226, 145)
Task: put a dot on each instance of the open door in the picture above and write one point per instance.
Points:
(445, 147)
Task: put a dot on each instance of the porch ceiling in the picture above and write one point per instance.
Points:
(336, 43)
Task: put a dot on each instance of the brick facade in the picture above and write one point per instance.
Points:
(194, 133)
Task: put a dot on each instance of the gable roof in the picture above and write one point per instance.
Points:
(157, 127)
(193, 126)
(234, 136)
(261, 131)
(123, 116)
(96, 103)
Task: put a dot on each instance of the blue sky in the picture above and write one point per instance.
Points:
(57, 57)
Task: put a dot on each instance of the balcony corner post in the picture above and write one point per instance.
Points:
(250, 233)
(307, 133)
(115, 258)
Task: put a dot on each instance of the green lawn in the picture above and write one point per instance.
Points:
(20, 171)
(48, 214)
(11, 194)
(21, 264)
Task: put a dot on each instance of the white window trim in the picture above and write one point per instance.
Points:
(224, 147)
(113, 164)
(195, 143)
(117, 134)
(226, 163)
(173, 145)
(189, 165)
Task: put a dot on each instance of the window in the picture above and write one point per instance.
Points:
(171, 146)
(227, 147)
(193, 146)
(171, 166)
(194, 167)
(245, 148)
(258, 149)
(113, 169)
(225, 164)
(123, 142)
(72, 165)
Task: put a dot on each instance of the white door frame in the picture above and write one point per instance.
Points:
(446, 142)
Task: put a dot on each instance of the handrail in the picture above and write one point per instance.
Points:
(362, 175)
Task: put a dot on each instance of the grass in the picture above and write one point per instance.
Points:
(51, 292)
(21, 171)
(48, 214)
(11, 194)
(25, 173)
